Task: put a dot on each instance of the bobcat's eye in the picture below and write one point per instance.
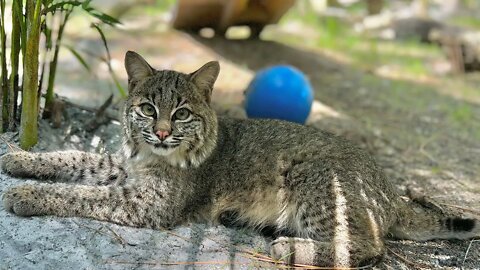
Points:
(147, 109)
(181, 114)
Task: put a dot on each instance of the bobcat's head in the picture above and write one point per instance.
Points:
(168, 114)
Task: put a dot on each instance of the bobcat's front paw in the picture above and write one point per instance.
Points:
(23, 200)
(281, 250)
(293, 250)
(17, 164)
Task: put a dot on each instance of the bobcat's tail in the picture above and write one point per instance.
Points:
(417, 222)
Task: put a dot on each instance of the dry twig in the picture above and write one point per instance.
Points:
(155, 263)
(118, 237)
(100, 116)
(425, 152)
(108, 114)
(475, 212)
(407, 261)
(13, 148)
(468, 250)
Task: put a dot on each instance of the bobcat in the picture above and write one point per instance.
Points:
(327, 200)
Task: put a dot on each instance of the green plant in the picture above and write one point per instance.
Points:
(462, 114)
(28, 123)
(31, 19)
(3, 60)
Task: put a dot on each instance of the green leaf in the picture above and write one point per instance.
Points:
(88, 8)
(104, 40)
(79, 57)
(105, 18)
(86, 4)
(61, 6)
(117, 84)
(47, 3)
(48, 36)
(108, 60)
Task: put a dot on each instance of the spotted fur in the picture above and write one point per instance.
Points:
(327, 200)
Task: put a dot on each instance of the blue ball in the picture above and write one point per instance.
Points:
(279, 92)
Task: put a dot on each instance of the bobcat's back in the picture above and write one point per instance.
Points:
(327, 200)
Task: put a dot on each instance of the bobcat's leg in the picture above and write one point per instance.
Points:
(331, 239)
(65, 166)
(303, 251)
(335, 227)
(138, 206)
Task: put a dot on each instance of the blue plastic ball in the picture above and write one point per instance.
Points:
(279, 92)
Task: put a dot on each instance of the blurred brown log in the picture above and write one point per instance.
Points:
(374, 6)
(218, 14)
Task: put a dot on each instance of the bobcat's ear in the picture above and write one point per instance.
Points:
(204, 78)
(137, 68)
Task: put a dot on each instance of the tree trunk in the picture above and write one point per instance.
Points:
(17, 18)
(49, 97)
(28, 124)
(4, 72)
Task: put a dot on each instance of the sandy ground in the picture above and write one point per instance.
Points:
(75, 243)
(407, 129)
(67, 243)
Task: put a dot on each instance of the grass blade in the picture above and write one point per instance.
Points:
(105, 18)
(104, 40)
(49, 97)
(17, 20)
(120, 89)
(79, 57)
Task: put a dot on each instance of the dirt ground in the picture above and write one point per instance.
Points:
(407, 125)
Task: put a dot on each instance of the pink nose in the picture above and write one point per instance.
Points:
(162, 134)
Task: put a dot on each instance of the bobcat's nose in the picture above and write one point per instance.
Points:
(162, 134)
(162, 129)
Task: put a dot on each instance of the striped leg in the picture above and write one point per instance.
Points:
(137, 206)
(337, 223)
(65, 166)
(302, 251)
